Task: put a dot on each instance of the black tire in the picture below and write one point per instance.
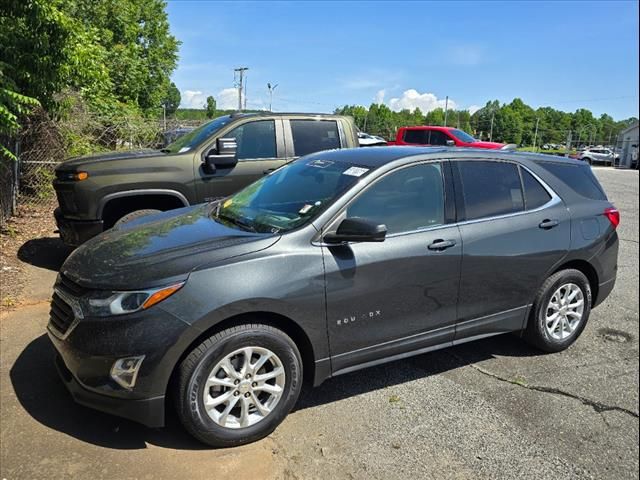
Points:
(196, 367)
(135, 215)
(536, 333)
(588, 160)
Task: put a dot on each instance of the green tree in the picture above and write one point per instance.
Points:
(210, 107)
(172, 99)
(12, 106)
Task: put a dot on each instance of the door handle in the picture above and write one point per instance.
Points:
(440, 244)
(548, 224)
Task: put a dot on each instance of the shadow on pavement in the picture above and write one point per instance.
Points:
(44, 396)
(47, 252)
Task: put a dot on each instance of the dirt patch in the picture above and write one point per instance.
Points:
(29, 224)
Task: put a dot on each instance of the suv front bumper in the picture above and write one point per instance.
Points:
(76, 232)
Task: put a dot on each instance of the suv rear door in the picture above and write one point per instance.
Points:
(514, 230)
(260, 150)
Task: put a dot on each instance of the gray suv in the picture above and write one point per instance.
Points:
(335, 262)
(598, 155)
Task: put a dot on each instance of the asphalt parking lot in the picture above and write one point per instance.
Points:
(485, 410)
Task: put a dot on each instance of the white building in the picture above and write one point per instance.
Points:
(628, 147)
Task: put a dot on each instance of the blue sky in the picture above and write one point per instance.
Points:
(322, 55)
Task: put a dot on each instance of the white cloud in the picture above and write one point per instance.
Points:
(412, 99)
(192, 99)
(379, 98)
(473, 108)
(227, 99)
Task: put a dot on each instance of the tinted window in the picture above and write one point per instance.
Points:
(438, 138)
(490, 188)
(464, 136)
(255, 139)
(314, 135)
(416, 136)
(405, 200)
(579, 178)
(535, 195)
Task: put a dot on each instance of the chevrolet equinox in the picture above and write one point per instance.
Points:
(337, 261)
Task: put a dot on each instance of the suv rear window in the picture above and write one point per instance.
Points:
(490, 188)
(535, 195)
(578, 178)
(311, 136)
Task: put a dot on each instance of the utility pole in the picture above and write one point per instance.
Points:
(271, 89)
(491, 132)
(238, 76)
(568, 148)
(446, 109)
(164, 116)
(458, 120)
(535, 135)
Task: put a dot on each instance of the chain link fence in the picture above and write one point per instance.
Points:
(43, 143)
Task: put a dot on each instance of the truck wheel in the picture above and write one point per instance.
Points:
(237, 386)
(560, 312)
(135, 215)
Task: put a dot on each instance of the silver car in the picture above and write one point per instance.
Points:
(597, 155)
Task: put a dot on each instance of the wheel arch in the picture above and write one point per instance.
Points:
(120, 203)
(588, 270)
(276, 320)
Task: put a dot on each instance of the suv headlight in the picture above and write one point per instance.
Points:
(106, 304)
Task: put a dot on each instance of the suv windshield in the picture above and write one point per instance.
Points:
(197, 136)
(289, 197)
(463, 136)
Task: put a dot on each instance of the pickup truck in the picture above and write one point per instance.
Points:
(442, 136)
(213, 161)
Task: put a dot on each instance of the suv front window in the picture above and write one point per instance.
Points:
(196, 137)
(290, 197)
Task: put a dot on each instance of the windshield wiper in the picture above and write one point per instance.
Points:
(238, 222)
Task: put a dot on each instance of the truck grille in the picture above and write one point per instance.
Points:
(61, 315)
(71, 287)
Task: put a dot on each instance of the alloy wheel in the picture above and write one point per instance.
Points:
(564, 311)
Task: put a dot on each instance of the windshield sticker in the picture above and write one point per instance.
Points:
(305, 209)
(355, 171)
(320, 163)
(184, 149)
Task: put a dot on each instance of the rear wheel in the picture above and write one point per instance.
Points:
(560, 312)
(588, 160)
(135, 215)
(237, 386)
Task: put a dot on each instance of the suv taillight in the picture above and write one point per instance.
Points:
(613, 215)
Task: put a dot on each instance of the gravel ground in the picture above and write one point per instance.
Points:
(490, 409)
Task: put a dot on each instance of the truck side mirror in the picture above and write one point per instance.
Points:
(451, 143)
(223, 156)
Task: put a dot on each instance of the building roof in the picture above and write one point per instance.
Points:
(629, 128)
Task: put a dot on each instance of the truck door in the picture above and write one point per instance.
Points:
(260, 150)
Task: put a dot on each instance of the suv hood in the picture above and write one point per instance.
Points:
(109, 156)
(159, 249)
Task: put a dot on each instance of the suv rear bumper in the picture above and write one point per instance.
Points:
(76, 232)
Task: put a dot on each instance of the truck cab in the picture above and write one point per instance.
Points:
(430, 135)
(213, 161)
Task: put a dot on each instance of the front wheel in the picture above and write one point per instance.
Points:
(560, 312)
(237, 386)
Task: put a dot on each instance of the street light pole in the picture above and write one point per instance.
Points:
(491, 132)
(446, 109)
(271, 89)
(535, 135)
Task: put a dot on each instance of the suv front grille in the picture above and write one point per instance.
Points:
(61, 316)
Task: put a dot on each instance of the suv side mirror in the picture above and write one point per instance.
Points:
(223, 156)
(451, 143)
(357, 230)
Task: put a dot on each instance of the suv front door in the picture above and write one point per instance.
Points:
(260, 150)
(400, 295)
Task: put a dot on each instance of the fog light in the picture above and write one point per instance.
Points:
(125, 371)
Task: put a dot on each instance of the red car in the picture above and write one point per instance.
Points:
(442, 136)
